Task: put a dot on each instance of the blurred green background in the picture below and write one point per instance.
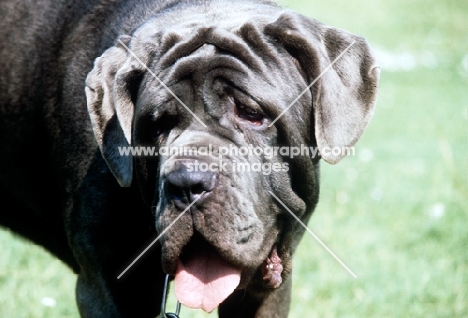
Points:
(396, 213)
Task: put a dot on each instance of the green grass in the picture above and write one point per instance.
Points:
(396, 213)
(28, 274)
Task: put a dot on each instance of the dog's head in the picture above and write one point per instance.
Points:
(201, 85)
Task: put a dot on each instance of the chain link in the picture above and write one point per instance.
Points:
(163, 313)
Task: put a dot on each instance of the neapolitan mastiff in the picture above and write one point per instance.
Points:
(79, 79)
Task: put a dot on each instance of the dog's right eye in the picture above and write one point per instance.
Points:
(164, 125)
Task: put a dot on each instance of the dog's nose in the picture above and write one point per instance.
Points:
(187, 185)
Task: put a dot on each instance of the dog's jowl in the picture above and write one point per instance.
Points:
(123, 121)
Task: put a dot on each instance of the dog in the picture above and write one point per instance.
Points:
(83, 80)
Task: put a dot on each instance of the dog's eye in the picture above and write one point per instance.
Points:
(253, 116)
(164, 125)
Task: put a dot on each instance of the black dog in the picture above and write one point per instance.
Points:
(172, 74)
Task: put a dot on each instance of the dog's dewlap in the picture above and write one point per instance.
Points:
(272, 269)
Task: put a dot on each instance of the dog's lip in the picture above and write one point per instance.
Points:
(196, 244)
(249, 274)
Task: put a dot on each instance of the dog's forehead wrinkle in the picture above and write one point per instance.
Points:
(235, 45)
(178, 40)
(186, 46)
(199, 69)
(206, 59)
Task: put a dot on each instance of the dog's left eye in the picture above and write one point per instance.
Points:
(253, 116)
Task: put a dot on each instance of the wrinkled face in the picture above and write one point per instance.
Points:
(222, 90)
(228, 93)
(203, 91)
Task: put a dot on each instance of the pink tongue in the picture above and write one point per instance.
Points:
(205, 281)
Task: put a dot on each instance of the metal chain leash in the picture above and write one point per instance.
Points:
(163, 313)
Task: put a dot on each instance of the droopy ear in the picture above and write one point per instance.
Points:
(109, 97)
(345, 93)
